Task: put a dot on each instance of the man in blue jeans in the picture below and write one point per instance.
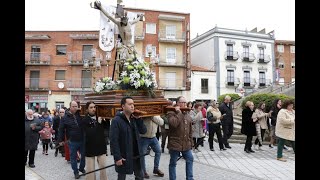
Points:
(71, 122)
(180, 139)
(150, 139)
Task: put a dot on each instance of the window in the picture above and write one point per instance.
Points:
(280, 48)
(230, 77)
(204, 86)
(86, 79)
(246, 78)
(34, 79)
(59, 105)
(262, 78)
(246, 52)
(61, 50)
(292, 49)
(86, 52)
(293, 64)
(281, 81)
(261, 53)
(60, 75)
(35, 53)
(150, 28)
(170, 80)
(171, 32)
(154, 51)
(229, 51)
(171, 55)
(281, 65)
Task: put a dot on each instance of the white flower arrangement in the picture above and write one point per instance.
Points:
(105, 83)
(135, 75)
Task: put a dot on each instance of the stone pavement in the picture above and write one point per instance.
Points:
(230, 164)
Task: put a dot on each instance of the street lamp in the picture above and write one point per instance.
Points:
(96, 64)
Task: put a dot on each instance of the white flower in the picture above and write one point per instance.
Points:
(136, 84)
(147, 82)
(124, 73)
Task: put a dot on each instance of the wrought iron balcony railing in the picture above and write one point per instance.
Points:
(37, 58)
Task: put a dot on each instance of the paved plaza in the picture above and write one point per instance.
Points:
(230, 164)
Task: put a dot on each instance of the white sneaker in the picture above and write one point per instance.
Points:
(255, 147)
(260, 148)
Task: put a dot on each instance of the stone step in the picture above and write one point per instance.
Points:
(239, 141)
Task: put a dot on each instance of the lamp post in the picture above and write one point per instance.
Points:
(96, 64)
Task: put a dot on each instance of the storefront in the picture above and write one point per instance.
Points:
(38, 103)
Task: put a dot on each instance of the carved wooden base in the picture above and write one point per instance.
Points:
(108, 102)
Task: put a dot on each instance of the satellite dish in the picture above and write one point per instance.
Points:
(60, 85)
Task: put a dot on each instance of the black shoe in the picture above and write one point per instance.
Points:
(223, 149)
(32, 165)
(247, 151)
(229, 147)
(270, 146)
(211, 149)
(63, 155)
(252, 151)
(56, 154)
(77, 176)
(162, 150)
(83, 171)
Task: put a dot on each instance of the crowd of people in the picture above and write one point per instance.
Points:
(182, 130)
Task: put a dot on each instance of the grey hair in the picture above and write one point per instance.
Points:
(227, 97)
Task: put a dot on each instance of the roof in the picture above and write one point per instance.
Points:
(285, 42)
(198, 68)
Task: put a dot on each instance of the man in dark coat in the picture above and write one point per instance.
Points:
(227, 120)
(72, 124)
(95, 144)
(31, 137)
(248, 126)
(124, 140)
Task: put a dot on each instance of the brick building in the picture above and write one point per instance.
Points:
(285, 61)
(55, 75)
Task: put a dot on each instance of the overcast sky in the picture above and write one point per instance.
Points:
(278, 15)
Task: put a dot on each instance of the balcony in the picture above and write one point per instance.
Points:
(178, 62)
(230, 82)
(249, 57)
(231, 55)
(138, 36)
(249, 82)
(177, 37)
(171, 84)
(77, 57)
(36, 84)
(264, 82)
(262, 58)
(37, 58)
(79, 84)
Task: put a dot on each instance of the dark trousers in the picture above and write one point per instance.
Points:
(196, 142)
(215, 128)
(158, 134)
(248, 144)
(227, 129)
(281, 145)
(31, 156)
(137, 170)
(262, 135)
(45, 144)
(164, 135)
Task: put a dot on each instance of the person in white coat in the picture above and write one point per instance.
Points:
(285, 127)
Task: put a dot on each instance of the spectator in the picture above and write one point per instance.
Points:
(248, 126)
(227, 120)
(31, 137)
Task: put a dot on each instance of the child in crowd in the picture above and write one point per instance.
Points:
(46, 135)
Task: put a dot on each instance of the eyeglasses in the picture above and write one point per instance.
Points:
(182, 102)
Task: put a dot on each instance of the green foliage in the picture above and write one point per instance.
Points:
(267, 98)
(234, 97)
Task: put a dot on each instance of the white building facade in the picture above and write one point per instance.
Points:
(203, 84)
(243, 60)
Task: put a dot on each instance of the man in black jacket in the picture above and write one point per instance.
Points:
(227, 120)
(124, 140)
(72, 123)
(56, 124)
